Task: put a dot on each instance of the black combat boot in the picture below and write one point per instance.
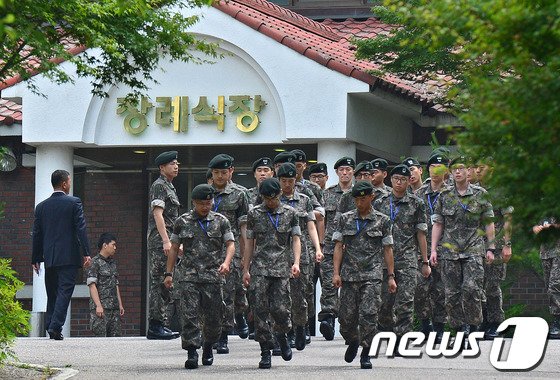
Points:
(307, 334)
(491, 333)
(466, 329)
(222, 347)
(241, 326)
(251, 325)
(285, 349)
(351, 352)
(156, 331)
(365, 363)
(426, 327)
(207, 354)
(327, 328)
(300, 338)
(276, 351)
(265, 356)
(291, 336)
(554, 330)
(192, 359)
(439, 328)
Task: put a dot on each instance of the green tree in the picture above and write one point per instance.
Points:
(126, 39)
(505, 58)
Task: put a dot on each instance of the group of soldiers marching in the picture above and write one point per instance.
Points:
(248, 259)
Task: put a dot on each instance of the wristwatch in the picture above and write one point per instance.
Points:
(168, 274)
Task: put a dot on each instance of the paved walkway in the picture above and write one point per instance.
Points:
(138, 358)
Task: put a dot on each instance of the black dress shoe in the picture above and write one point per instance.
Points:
(56, 335)
(351, 352)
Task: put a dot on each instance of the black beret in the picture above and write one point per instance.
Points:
(411, 161)
(401, 170)
(166, 157)
(319, 167)
(362, 188)
(284, 157)
(270, 187)
(345, 161)
(437, 158)
(221, 161)
(263, 161)
(208, 173)
(460, 160)
(380, 163)
(300, 155)
(363, 166)
(202, 192)
(443, 150)
(287, 170)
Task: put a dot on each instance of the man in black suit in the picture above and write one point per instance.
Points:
(59, 231)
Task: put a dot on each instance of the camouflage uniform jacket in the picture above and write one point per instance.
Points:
(304, 210)
(430, 197)
(254, 197)
(233, 204)
(272, 232)
(464, 219)
(103, 272)
(164, 195)
(363, 241)
(331, 197)
(346, 202)
(408, 215)
(551, 249)
(203, 245)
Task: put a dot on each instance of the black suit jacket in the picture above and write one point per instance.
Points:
(59, 230)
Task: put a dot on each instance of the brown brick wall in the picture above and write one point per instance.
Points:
(527, 289)
(113, 202)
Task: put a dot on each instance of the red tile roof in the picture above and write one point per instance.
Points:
(327, 43)
(10, 112)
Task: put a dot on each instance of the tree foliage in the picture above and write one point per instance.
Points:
(505, 58)
(125, 39)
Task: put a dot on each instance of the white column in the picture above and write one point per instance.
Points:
(330, 151)
(48, 159)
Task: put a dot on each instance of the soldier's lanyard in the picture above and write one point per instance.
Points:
(465, 207)
(205, 226)
(217, 203)
(291, 202)
(431, 204)
(394, 209)
(361, 226)
(274, 222)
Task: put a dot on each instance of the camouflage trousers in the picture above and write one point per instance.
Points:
(202, 306)
(157, 265)
(492, 300)
(429, 299)
(234, 295)
(463, 280)
(359, 305)
(397, 309)
(329, 294)
(108, 325)
(271, 305)
(551, 270)
(299, 292)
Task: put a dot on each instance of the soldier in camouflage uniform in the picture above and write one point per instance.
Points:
(461, 214)
(495, 273)
(408, 217)
(301, 288)
(231, 202)
(344, 168)
(429, 300)
(363, 171)
(163, 211)
(378, 176)
(318, 174)
(204, 234)
(415, 174)
(363, 240)
(105, 303)
(262, 169)
(268, 263)
(550, 259)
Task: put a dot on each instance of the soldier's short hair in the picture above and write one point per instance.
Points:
(105, 238)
